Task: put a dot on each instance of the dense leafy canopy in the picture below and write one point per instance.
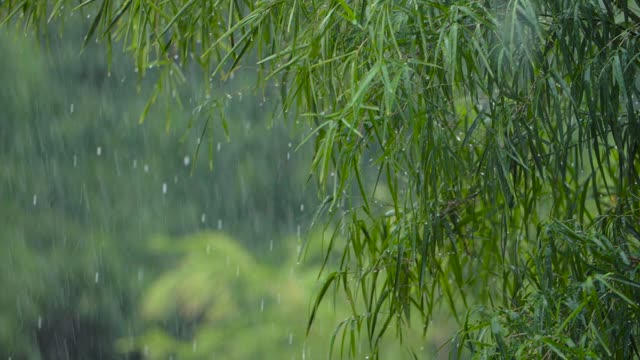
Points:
(503, 137)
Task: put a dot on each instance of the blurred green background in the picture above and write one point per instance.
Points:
(118, 239)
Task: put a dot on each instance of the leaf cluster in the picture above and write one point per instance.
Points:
(481, 120)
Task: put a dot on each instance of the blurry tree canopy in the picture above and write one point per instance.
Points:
(481, 153)
(218, 301)
(85, 188)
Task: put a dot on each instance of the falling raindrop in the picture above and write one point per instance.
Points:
(97, 277)
(186, 161)
(140, 274)
(35, 199)
(99, 151)
(135, 163)
(290, 338)
(219, 224)
(164, 188)
(203, 218)
(271, 245)
(261, 305)
(218, 146)
(71, 108)
(116, 161)
(146, 168)
(288, 155)
(301, 207)
(39, 322)
(75, 160)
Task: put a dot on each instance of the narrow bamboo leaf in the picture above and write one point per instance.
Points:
(94, 24)
(570, 318)
(83, 4)
(200, 142)
(554, 345)
(330, 279)
(335, 334)
(348, 10)
(177, 16)
(12, 13)
(363, 86)
(55, 11)
(124, 7)
(225, 124)
(149, 103)
(470, 131)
